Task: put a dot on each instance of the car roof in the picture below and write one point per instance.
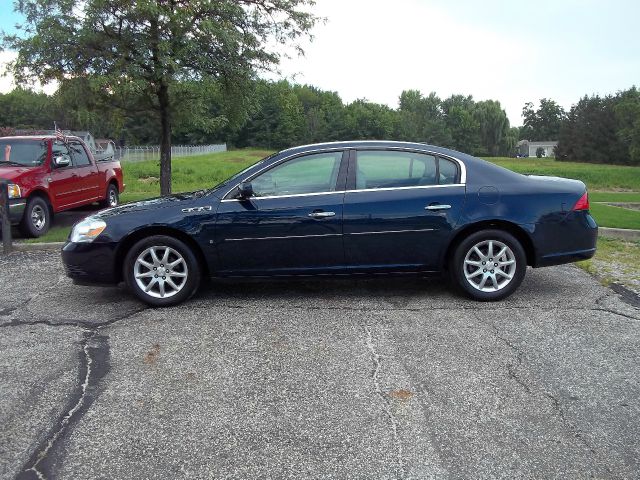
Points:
(37, 137)
(381, 144)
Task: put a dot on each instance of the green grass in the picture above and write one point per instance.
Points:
(625, 197)
(595, 176)
(615, 217)
(55, 234)
(615, 261)
(188, 173)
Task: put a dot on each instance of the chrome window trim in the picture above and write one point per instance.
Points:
(385, 189)
(286, 196)
(463, 170)
(347, 191)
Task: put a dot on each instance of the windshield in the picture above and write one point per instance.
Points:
(23, 152)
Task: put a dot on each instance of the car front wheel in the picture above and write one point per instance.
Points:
(489, 265)
(162, 271)
(36, 219)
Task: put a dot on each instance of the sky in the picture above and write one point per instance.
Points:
(513, 51)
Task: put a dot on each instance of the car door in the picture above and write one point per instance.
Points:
(63, 180)
(87, 173)
(399, 209)
(293, 222)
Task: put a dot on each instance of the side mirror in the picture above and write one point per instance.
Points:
(62, 160)
(245, 190)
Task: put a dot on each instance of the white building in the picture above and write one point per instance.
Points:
(525, 148)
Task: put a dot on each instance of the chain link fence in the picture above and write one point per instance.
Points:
(139, 154)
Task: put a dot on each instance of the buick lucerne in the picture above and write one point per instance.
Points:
(347, 208)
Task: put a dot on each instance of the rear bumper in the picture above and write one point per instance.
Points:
(566, 257)
(90, 263)
(566, 239)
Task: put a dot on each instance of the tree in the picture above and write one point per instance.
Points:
(494, 125)
(148, 46)
(544, 123)
(540, 152)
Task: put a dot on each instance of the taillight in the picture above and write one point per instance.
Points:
(583, 203)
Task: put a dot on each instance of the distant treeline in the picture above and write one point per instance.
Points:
(279, 114)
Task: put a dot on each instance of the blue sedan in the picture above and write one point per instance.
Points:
(347, 208)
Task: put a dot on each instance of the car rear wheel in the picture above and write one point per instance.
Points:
(36, 219)
(162, 271)
(489, 265)
(113, 197)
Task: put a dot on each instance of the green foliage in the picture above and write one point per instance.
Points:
(603, 130)
(494, 126)
(543, 124)
(540, 152)
(26, 109)
(148, 50)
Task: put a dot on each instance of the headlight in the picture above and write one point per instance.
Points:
(14, 191)
(87, 230)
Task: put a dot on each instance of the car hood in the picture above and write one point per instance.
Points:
(12, 172)
(179, 199)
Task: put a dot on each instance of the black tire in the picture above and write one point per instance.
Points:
(499, 283)
(36, 219)
(154, 297)
(112, 199)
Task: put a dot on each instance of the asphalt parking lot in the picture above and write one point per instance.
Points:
(384, 378)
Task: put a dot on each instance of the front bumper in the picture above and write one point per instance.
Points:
(16, 209)
(90, 263)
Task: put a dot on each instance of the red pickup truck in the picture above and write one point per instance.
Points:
(48, 176)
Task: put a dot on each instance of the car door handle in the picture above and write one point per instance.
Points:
(437, 206)
(322, 214)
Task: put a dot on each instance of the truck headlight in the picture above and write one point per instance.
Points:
(87, 230)
(14, 190)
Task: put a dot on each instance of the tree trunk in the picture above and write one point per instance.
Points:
(165, 140)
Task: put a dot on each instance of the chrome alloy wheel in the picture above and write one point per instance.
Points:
(113, 198)
(38, 217)
(160, 271)
(489, 266)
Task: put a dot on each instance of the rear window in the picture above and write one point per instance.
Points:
(25, 153)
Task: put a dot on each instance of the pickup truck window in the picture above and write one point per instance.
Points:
(23, 152)
(80, 157)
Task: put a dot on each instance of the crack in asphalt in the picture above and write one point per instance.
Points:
(556, 405)
(94, 366)
(376, 358)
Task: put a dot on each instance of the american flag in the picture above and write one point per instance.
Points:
(59, 135)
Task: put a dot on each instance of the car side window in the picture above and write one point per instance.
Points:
(448, 172)
(393, 169)
(80, 157)
(308, 174)
(58, 149)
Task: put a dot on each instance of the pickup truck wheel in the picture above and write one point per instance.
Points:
(161, 271)
(113, 198)
(36, 219)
